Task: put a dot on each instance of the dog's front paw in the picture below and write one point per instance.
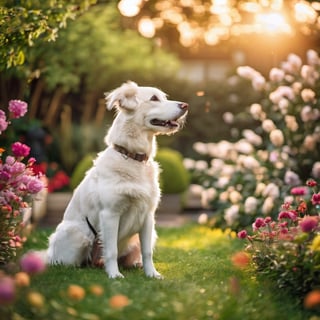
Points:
(154, 274)
(115, 275)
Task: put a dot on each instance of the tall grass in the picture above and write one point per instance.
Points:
(200, 282)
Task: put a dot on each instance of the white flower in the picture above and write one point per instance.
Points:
(250, 205)
(291, 123)
(258, 82)
(235, 197)
(196, 189)
(313, 57)
(207, 196)
(291, 178)
(222, 182)
(203, 218)
(267, 205)
(271, 190)
(316, 170)
(200, 147)
(268, 125)
(307, 95)
(282, 92)
(276, 75)
(246, 72)
(276, 137)
(231, 214)
(283, 105)
(309, 143)
(260, 188)
(256, 110)
(228, 117)
(252, 137)
(188, 163)
(306, 114)
(243, 146)
(201, 165)
(248, 162)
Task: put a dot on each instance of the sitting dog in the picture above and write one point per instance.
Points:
(118, 197)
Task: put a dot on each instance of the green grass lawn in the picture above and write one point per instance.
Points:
(200, 282)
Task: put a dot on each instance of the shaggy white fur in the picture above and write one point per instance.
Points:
(120, 193)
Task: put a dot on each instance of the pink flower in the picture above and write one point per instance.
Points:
(299, 191)
(315, 198)
(18, 108)
(292, 215)
(308, 223)
(20, 150)
(242, 234)
(3, 121)
(32, 263)
(7, 290)
(258, 224)
(34, 185)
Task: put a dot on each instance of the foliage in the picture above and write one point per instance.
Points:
(23, 23)
(80, 170)
(287, 250)
(200, 282)
(174, 178)
(17, 184)
(248, 177)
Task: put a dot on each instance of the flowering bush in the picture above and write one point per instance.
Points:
(287, 249)
(17, 183)
(247, 178)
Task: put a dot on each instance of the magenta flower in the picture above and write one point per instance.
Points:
(308, 223)
(34, 185)
(32, 263)
(242, 234)
(291, 214)
(3, 121)
(299, 191)
(258, 224)
(315, 198)
(20, 150)
(7, 290)
(18, 108)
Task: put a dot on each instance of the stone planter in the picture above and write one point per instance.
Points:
(170, 204)
(56, 205)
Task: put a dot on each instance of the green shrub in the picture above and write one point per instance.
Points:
(80, 170)
(174, 178)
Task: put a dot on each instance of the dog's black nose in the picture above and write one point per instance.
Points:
(183, 106)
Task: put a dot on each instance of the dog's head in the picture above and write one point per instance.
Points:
(149, 107)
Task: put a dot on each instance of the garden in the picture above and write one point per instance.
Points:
(250, 153)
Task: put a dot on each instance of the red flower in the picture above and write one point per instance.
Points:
(292, 215)
(258, 224)
(311, 183)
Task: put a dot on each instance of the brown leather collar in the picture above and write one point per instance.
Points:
(127, 154)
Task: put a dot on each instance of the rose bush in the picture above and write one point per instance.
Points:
(247, 178)
(18, 183)
(287, 249)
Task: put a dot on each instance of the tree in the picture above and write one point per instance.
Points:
(25, 23)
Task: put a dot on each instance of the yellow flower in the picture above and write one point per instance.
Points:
(36, 299)
(315, 245)
(119, 301)
(22, 279)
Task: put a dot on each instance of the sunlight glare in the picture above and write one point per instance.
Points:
(129, 8)
(304, 12)
(146, 27)
(272, 22)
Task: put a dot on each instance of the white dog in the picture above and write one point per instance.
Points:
(118, 197)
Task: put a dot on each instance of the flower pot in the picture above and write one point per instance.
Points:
(170, 204)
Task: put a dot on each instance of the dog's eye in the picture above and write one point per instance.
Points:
(154, 98)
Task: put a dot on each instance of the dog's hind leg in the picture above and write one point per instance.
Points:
(70, 244)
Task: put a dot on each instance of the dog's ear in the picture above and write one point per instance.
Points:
(124, 97)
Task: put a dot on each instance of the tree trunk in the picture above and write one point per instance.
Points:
(34, 103)
(53, 109)
(89, 107)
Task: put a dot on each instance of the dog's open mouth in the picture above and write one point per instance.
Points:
(165, 123)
